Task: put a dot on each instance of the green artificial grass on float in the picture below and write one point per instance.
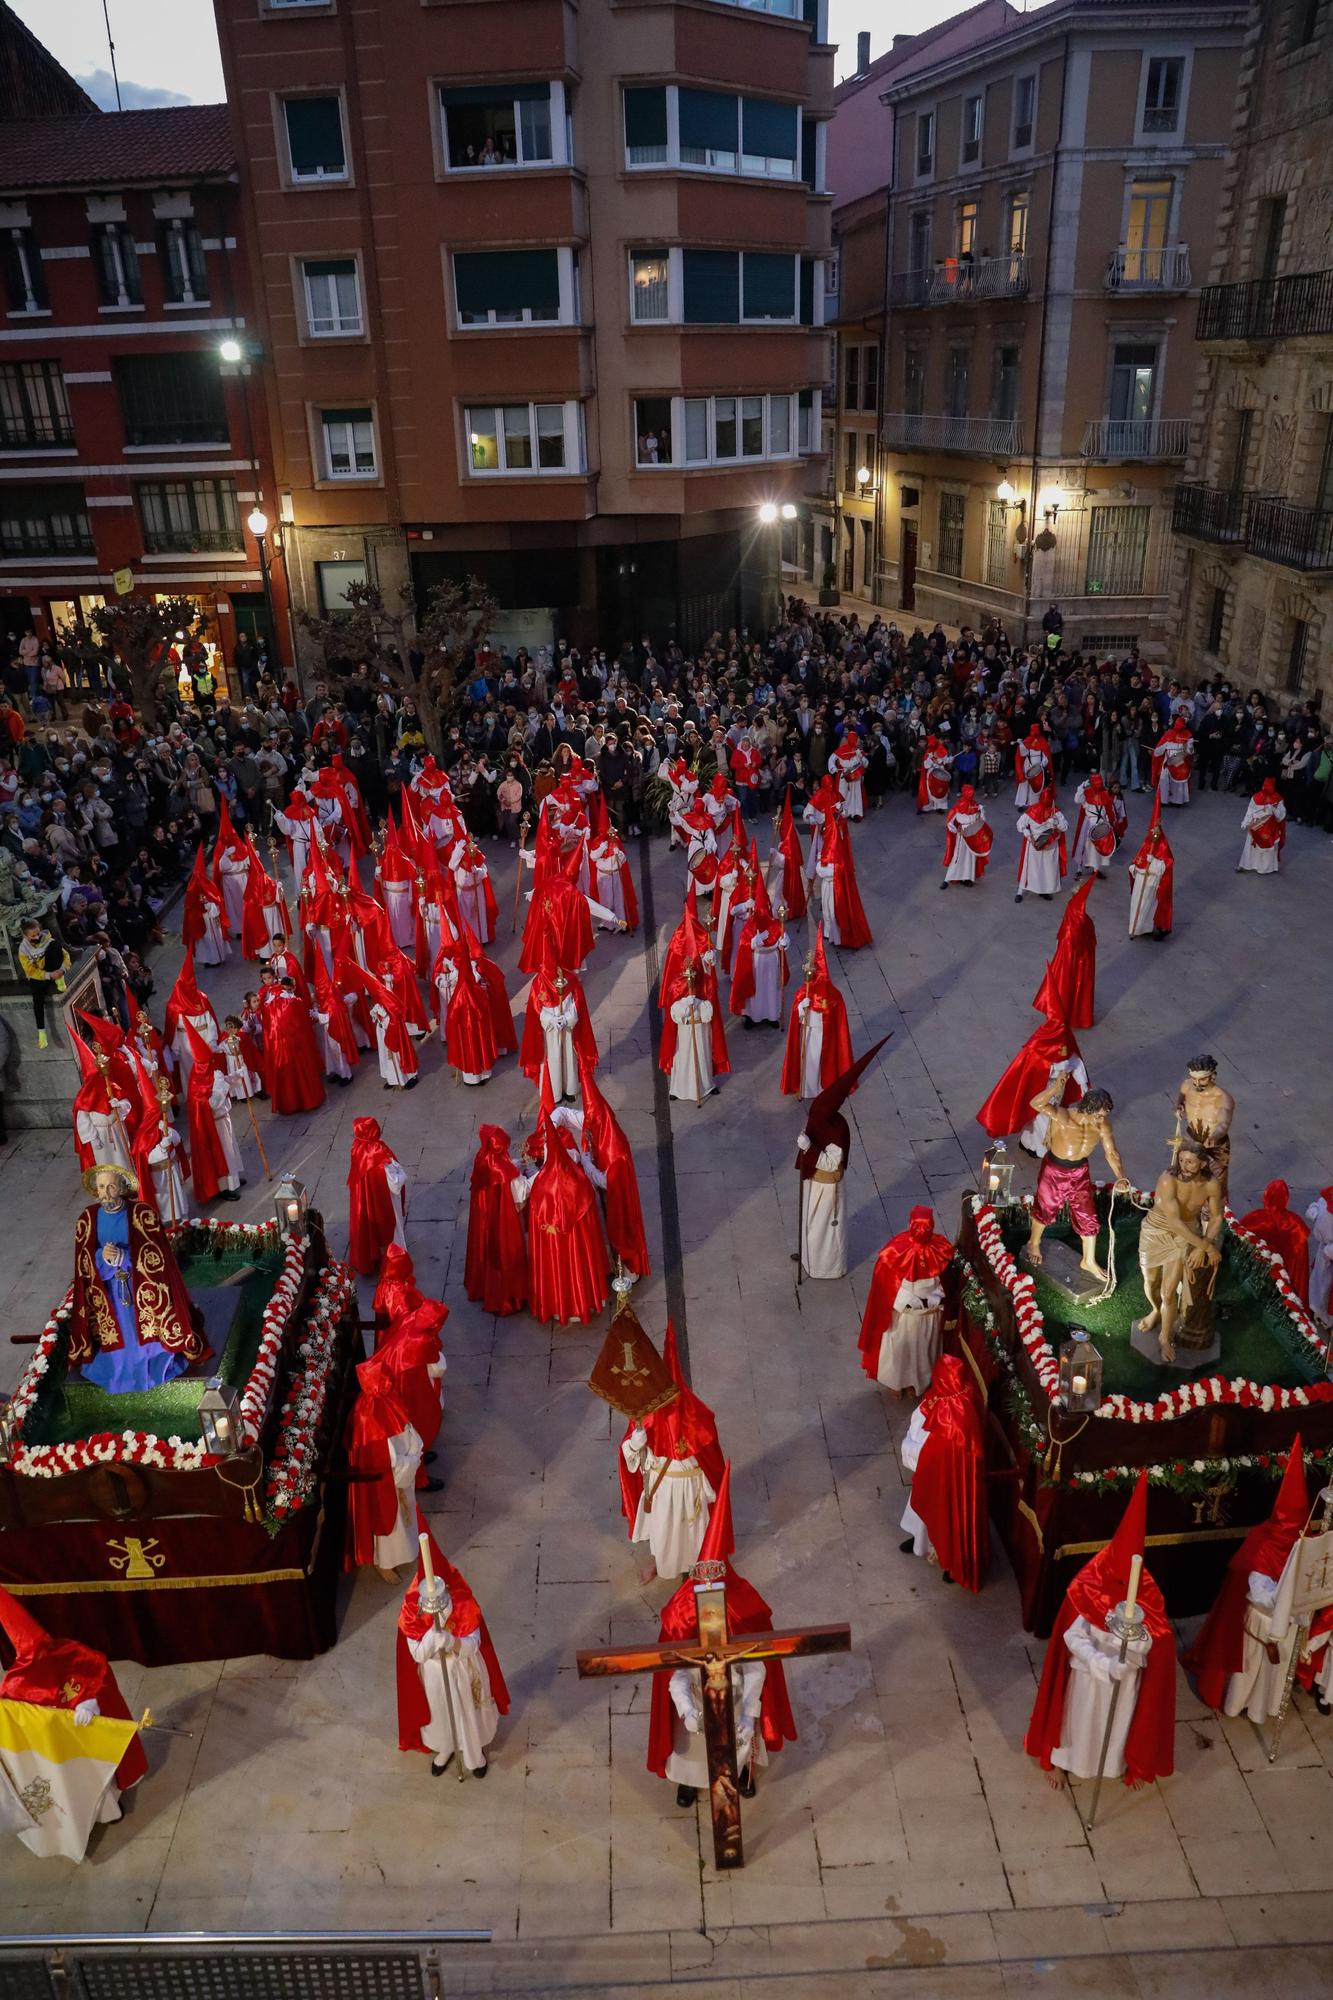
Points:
(1257, 1338)
(68, 1409)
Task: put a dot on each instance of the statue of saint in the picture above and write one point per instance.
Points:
(1206, 1111)
(131, 1325)
(1179, 1252)
(1073, 1134)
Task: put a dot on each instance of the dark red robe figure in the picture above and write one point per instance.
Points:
(567, 1266)
(227, 846)
(1100, 1585)
(559, 922)
(465, 1618)
(469, 1024)
(760, 928)
(1068, 991)
(848, 913)
(495, 1271)
(545, 991)
(397, 1292)
(492, 981)
(353, 807)
(61, 1673)
(414, 1358)
(691, 940)
(1219, 1650)
(170, 1321)
(1009, 1107)
(829, 1007)
(949, 1484)
(683, 1428)
(201, 897)
(396, 971)
(611, 1155)
(187, 1002)
(1284, 1232)
(374, 1217)
(262, 894)
(747, 1614)
(329, 1001)
(210, 1166)
(917, 1252)
(373, 1506)
(792, 887)
(293, 1072)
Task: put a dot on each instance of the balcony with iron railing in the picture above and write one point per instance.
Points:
(35, 433)
(1164, 269)
(961, 281)
(986, 436)
(1210, 514)
(175, 430)
(192, 541)
(1267, 308)
(1142, 438)
(45, 538)
(1297, 537)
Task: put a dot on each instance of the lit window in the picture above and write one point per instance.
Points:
(527, 438)
(505, 125)
(649, 286)
(332, 296)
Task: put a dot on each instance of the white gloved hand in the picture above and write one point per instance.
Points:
(86, 1712)
(693, 1720)
(638, 1437)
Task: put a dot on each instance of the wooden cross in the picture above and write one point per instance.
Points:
(715, 1653)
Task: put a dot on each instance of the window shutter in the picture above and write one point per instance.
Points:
(646, 117)
(169, 253)
(315, 134)
(497, 94)
(770, 129)
(770, 285)
(712, 287)
(708, 120)
(807, 306)
(809, 168)
(107, 283)
(507, 280)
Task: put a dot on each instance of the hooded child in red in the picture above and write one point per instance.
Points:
(264, 917)
(293, 1074)
(477, 1692)
(469, 1026)
(567, 1265)
(1152, 879)
(819, 1046)
(1284, 1232)
(495, 1269)
(383, 1451)
(396, 1294)
(1068, 991)
(1009, 1107)
(841, 911)
(760, 974)
(788, 852)
(612, 1157)
(203, 923)
(414, 1357)
(1219, 1650)
(949, 1479)
(377, 1190)
(186, 1002)
(1101, 1585)
(915, 1255)
(62, 1673)
(747, 1616)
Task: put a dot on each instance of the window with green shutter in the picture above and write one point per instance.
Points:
(506, 287)
(807, 300)
(315, 138)
(709, 125)
(769, 285)
(712, 287)
(646, 126)
(769, 134)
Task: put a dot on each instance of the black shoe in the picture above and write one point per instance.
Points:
(747, 1024)
(438, 1770)
(343, 1082)
(1324, 1707)
(429, 1457)
(1047, 899)
(686, 1796)
(943, 887)
(1019, 897)
(746, 1784)
(431, 1486)
(413, 1081)
(231, 1194)
(480, 1772)
(906, 1548)
(945, 1576)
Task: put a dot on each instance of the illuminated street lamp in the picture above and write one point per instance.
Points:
(768, 513)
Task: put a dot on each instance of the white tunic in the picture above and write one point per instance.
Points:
(402, 919)
(562, 1060)
(825, 875)
(1033, 782)
(673, 1506)
(219, 1103)
(936, 768)
(688, 1761)
(911, 1343)
(610, 891)
(235, 872)
(206, 1028)
(1255, 1689)
(910, 1452)
(400, 1544)
(241, 1079)
(1320, 1219)
(168, 1185)
(692, 1065)
(1256, 860)
(212, 948)
(811, 1032)
(1095, 1667)
(391, 1070)
(814, 819)
(1094, 821)
(963, 863)
(468, 1702)
(300, 833)
(765, 1003)
(849, 771)
(104, 1133)
(471, 886)
(1040, 872)
(1174, 790)
(335, 1062)
(824, 1216)
(1145, 882)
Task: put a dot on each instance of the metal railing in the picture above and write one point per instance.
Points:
(985, 435)
(961, 281)
(1164, 269)
(176, 430)
(244, 1965)
(189, 541)
(1267, 308)
(1298, 537)
(1149, 437)
(1209, 514)
(33, 433)
(38, 538)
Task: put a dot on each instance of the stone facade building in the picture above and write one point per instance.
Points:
(1253, 585)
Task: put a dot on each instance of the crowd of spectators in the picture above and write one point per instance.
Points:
(101, 814)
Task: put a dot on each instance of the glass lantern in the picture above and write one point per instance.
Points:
(292, 1203)
(219, 1419)
(1080, 1373)
(997, 1175)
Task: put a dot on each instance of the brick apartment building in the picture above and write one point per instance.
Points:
(541, 288)
(1056, 189)
(127, 444)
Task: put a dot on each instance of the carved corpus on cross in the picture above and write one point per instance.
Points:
(715, 1653)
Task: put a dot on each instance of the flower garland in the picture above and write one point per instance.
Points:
(131, 1447)
(277, 1317)
(1256, 1258)
(292, 1464)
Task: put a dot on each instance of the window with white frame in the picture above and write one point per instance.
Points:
(650, 287)
(701, 287)
(925, 145)
(1163, 94)
(973, 116)
(516, 287)
(527, 438)
(712, 131)
(503, 125)
(316, 148)
(21, 265)
(332, 297)
(349, 444)
(718, 430)
(1024, 126)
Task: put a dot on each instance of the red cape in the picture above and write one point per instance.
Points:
(683, 1428)
(464, 1618)
(1068, 991)
(611, 1155)
(1283, 1232)
(495, 1270)
(742, 979)
(949, 1484)
(747, 1613)
(853, 926)
(559, 925)
(914, 1253)
(372, 1216)
(835, 1053)
(372, 1499)
(705, 988)
(532, 1048)
(396, 1294)
(1219, 1650)
(1009, 1107)
(209, 1160)
(408, 1352)
(293, 1073)
(567, 1266)
(60, 1673)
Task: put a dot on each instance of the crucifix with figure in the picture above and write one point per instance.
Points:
(714, 1652)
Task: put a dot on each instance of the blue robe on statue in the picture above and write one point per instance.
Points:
(138, 1364)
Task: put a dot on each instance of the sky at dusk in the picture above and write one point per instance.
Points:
(166, 50)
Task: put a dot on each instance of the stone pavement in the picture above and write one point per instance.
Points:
(904, 1844)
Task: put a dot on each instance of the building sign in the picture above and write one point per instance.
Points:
(122, 581)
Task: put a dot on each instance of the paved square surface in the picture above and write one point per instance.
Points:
(905, 1833)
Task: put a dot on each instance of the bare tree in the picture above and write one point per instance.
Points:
(440, 627)
(140, 631)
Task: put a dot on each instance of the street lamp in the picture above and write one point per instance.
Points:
(231, 352)
(768, 513)
(257, 522)
(863, 476)
(789, 510)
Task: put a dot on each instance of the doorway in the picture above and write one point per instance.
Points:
(907, 568)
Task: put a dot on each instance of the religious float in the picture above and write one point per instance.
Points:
(197, 1517)
(1080, 1401)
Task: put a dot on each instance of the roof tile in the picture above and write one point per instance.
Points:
(118, 148)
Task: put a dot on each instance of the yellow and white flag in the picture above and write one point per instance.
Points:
(57, 1778)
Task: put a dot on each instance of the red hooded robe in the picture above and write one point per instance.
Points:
(1009, 1107)
(464, 1619)
(409, 1351)
(916, 1252)
(372, 1497)
(495, 1269)
(1068, 991)
(567, 1266)
(1219, 1650)
(396, 1294)
(611, 1155)
(1284, 1232)
(949, 1484)
(853, 927)
(544, 993)
(210, 1162)
(835, 1049)
(373, 1218)
(61, 1673)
